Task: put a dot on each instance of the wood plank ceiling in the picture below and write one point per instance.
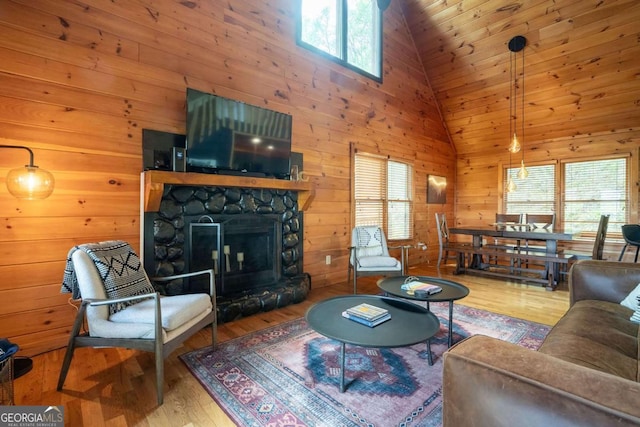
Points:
(582, 67)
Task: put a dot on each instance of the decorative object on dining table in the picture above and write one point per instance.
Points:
(436, 189)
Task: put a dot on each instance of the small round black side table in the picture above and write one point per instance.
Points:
(451, 291)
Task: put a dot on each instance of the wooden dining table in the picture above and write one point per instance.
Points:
(551, 238)
(518, 233)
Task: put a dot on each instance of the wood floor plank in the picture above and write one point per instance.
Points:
(115, 387)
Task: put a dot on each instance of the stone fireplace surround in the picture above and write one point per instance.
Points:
(164, 240)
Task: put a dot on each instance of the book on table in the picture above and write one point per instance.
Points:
(367, 311)
(369, 323)
(430, 288)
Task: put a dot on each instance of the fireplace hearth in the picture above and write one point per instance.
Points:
(252, 238)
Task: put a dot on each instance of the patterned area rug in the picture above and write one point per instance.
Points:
(288, 375)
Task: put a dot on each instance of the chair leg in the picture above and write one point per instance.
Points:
(66, 364)
(439, 257)
(637, 249)
(624, 248)
(71, 346)
(160, 375)
(355, 281)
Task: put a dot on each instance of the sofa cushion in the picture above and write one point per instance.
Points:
(597, 335)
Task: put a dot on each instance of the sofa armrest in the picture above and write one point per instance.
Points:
(602, 280)
(489, 382)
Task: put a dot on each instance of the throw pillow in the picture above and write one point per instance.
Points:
(631, 301)
(120, 269)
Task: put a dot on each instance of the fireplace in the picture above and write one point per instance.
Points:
(243, 250)
(252, 238)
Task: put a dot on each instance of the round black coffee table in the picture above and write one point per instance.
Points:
(451, 291)
(401, 330)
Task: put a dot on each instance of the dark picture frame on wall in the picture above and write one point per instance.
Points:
(436, 189)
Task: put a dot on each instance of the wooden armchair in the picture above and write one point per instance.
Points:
(369, 255)
(143, 320)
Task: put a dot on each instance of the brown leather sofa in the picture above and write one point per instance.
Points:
(584, 374)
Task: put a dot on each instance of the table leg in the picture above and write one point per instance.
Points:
(552, 269)
(342, 367)
(429, 355)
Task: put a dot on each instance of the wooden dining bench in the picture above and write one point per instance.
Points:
(513, 270)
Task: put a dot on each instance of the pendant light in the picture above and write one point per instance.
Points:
(516, 45)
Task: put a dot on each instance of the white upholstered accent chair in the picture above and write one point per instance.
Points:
(370, 255)
(158, 324)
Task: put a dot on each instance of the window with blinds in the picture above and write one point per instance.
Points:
(534, 194)
(383, 193)
(589, 189)
(594, 188)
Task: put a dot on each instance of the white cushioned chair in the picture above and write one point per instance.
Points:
(370, 255)
(172, 318)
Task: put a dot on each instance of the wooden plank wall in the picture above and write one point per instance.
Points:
(80, 79)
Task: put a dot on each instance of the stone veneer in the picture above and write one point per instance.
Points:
(183, 204)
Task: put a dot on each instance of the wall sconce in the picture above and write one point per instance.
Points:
(29, 182)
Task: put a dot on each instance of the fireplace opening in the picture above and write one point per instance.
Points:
(243, 250)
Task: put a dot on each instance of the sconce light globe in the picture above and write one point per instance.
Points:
(30, 183)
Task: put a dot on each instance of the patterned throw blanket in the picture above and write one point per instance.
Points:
(120, 270)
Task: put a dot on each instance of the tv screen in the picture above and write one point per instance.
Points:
(224, 135)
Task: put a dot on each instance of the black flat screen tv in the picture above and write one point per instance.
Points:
(227, 136)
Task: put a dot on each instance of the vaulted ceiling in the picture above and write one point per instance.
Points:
(582, 67)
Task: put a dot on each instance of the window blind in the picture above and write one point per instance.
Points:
(400, 186)
(535, 194)
(383, 191)
(594, 188)
(370, 179)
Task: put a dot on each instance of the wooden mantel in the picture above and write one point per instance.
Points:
(153, 185)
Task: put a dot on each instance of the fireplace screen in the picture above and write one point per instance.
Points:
(243, 250)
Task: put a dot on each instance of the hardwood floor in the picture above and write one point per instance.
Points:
(115, 387)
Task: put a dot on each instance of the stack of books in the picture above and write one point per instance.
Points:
(367, 314)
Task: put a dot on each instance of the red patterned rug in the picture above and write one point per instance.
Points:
(288, 375)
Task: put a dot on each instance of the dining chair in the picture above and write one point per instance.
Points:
(369, 255)
(121, 308)
(631, 234)
(510, 220)
(445, 246)
(504, 221)
(598, 245)
(541, 221)
(537, 222)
